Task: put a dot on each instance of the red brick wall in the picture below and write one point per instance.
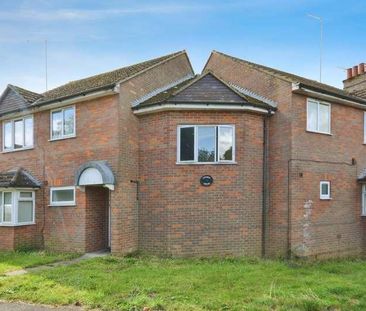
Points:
(279, 141)
(96, 228)
(55, 163)
(180, 217)
(125, 224)
(336, 227)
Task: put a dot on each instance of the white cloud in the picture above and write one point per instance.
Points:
(38, 14)
(63, 14)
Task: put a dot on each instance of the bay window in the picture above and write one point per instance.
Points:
(17, 207)
(63, 123)
(18, 134)
(206, 143)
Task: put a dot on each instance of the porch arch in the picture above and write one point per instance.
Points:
(95, 173)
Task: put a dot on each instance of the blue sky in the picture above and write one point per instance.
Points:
(90, 37)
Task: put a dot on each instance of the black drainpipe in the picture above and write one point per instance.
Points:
(265, 193)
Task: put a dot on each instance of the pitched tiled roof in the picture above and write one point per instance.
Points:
(18, 178)
(11, 101)
(165, 95)
(101, 80)
(297, 79)
(206, 88)
(16, 98)
(29, 96)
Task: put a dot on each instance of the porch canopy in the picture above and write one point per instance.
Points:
(95, 173)
(18, 178)
(362, 176)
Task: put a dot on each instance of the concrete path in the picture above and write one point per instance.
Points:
(57, 264)
(19, 306)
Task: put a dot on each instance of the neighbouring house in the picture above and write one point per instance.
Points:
(241, 160)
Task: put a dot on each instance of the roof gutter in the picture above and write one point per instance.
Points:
(202, 106)
(299, 88)
(69, 100)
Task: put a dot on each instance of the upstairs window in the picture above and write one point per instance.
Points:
(17, 207)
(63, 123)
(206, 143)
(18, 134)
(364, 127)
(318, 116)
(325, 190)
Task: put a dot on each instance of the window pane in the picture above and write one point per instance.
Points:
(187, 144)
(18, 134)
(28, 130)
(312, 116)
(69, 119)
(25, 211)
(225, 143)
(206, 143)
(7, 213)
(66, 195)
(325, 189)
(25, 195)
(7, 197)
(7, 207)
(57, 124)
(324, 118)
(8, 129)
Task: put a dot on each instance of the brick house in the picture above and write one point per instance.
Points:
(240, 160)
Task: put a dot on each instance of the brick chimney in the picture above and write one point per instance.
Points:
(355, 83)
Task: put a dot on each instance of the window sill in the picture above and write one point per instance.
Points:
(17, 150)
(322, 133)
(62, 138)
(327, 199)
(206, 163)
(62, 205)
(18, 225)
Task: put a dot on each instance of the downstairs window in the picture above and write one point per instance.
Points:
(363, 199)
(17, 207)
(206, 143)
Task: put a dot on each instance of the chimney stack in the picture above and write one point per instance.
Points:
(355, 83)
(361, 68)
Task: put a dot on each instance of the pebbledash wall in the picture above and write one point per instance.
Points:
(298, 220)
(180, 217)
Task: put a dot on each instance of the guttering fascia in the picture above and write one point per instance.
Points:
(298, 88)
(59, 103)
(193, 107)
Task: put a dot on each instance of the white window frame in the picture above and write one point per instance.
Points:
(62, 203)
(62, 126)
(314, 101)
(12, 121)
(363, 208)
(325, 196)
(217, 130)
(364, 127)
(15, 198)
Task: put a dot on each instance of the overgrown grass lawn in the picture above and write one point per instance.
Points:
(10, 261)
(190, 284)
